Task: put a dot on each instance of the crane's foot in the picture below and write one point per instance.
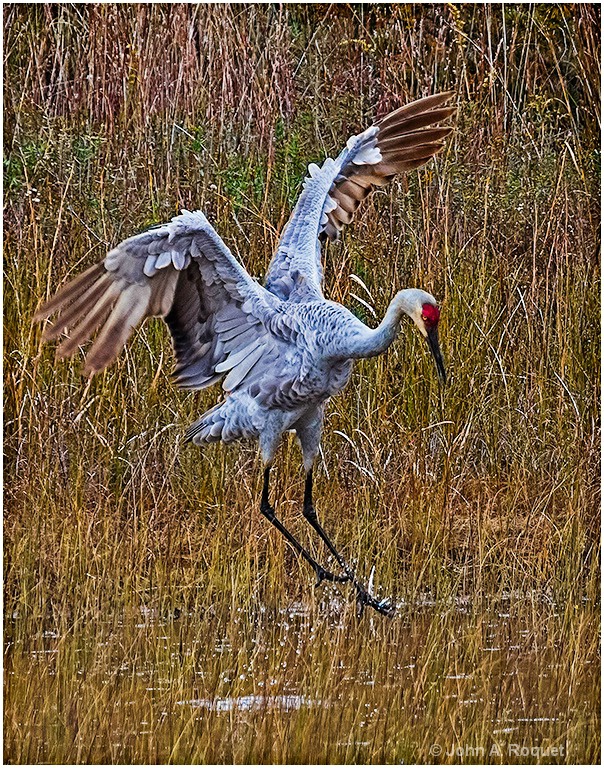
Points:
(381, 606)
(364, 596)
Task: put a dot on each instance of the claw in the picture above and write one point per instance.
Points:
(386, 609)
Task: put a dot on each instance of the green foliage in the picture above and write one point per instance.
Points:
(85, 148)
(244, 181)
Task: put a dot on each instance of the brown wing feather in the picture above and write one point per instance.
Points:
(91, 318)
(73, 289)
(130, 308)
(97, 299)
(407, 138)
(183, 272)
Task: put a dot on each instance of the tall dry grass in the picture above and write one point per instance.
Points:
(138, 573)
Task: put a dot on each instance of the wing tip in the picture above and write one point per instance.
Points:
(426, 105)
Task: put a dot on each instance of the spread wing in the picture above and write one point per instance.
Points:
(401, 141)
(218, 316)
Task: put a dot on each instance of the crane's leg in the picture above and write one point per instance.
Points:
(363, 596)
(268, 512)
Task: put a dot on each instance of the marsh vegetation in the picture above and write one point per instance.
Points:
(151, 614)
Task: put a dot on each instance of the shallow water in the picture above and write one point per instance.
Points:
(309, 684)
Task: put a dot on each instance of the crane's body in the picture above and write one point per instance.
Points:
(313, 365)
(282, 350)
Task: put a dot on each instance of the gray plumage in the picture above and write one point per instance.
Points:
(280, 350)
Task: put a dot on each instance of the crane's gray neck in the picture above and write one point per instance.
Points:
(377, 340)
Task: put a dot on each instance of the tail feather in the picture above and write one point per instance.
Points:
(208, 427)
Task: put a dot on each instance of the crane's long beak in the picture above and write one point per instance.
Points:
(436, 354)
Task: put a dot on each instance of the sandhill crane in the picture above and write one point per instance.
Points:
(282, 350)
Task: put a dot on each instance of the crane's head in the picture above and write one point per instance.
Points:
(423, 310)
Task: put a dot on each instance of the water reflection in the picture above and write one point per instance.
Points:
(253, 703)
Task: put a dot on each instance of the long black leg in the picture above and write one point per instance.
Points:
(268, 512)
(363, 597)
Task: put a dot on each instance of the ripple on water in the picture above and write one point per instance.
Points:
(253, 703)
